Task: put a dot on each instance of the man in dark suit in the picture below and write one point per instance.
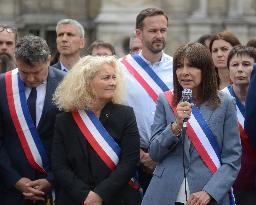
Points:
(250, 109)
(27, 118)
(70, 41)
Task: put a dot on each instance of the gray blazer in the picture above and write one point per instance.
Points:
(166, 149)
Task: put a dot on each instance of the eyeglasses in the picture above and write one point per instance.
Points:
(8, 29)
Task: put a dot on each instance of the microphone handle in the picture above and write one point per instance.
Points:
(184, 128)
(183, 135)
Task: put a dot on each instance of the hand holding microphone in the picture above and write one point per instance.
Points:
(184, 109)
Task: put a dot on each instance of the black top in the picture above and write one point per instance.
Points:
(78, 169)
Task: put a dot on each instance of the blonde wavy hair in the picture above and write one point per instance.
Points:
(75, 93)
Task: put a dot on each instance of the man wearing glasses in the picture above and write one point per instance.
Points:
(7, 47)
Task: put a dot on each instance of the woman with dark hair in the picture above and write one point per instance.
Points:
(220, 46)
(101, 48)
(251, 42)
(205, 40)
(55, 58)
(240, 64)
(200, 164)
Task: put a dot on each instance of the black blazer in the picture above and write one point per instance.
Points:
(250, 109)
(13, 162)
(78, 169)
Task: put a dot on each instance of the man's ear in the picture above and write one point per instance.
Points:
(83, 42)
(49, 58)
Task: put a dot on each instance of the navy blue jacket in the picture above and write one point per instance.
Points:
(13, 162)
(250, 109)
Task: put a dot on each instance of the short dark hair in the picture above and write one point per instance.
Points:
(240, 50)
(99, 43)
(226, 36)
(203, 38)
(32, 50)
(200, 57)
(146, 13)
(251, 43)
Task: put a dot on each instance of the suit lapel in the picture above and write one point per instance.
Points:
(106, 113)
(206, 111)
(187, 145)
(50, 88)
(57, 65)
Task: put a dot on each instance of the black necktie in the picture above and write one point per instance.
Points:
(31, 101)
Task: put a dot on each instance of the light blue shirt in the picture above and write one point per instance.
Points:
(63, 68)
(143, 105)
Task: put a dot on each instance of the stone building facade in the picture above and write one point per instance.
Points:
(114, 20)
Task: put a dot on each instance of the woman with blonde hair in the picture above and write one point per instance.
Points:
(96, 142)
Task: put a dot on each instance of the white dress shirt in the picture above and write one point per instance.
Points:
(136, 96)
(181, 197)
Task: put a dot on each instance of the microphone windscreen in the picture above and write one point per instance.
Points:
(186, 95)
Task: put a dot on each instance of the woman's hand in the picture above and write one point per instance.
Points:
(184, 110)
(199, 198)
(93, 199)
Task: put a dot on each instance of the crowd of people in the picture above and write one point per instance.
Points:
(147, 128)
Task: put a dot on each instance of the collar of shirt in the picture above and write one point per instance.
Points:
(164, 63)
(153, 64)
(43, 84)
(63, 68)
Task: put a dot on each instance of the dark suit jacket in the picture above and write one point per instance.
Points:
(250, 109)
(57, 65)
(13, 162)
(78, 169)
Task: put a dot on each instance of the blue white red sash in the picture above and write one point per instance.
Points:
(240, 110)
(202, 138)
(100, 140)
(23, 123)
(145, 75)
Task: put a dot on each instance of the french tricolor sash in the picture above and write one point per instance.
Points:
(100, 140)
(202, 138)
(240, 116)
(23, 123)
(145, 76)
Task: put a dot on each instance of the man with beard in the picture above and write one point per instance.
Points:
(7, 47)
(70, 41)
(147, 74)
